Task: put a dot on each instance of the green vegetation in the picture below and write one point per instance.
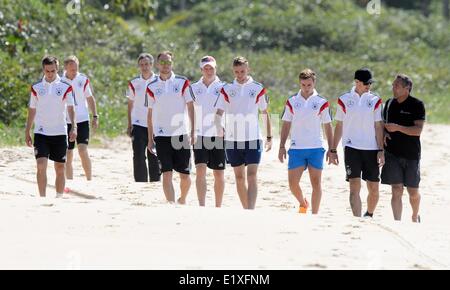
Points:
(278, 37)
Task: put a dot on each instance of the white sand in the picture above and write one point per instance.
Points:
(115, 223)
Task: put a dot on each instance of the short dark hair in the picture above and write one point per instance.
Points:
(49, 60)
(145, 55)
(166, 52)
(307, 74)
(405, 80)
(240, 60)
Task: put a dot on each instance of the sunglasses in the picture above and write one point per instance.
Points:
(165, 62)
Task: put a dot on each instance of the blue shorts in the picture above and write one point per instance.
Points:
(243, 153)
(305, 158)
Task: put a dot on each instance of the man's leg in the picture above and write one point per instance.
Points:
(219, 186)
(185, 184)
(355, 199)
(169, 191)
(396, 201)
(373, 196)
(414, 200)
(200, 182)
(41, 175)
(60, 177)
(85, 160)
(294, 176)
(69, 166)
(239, 173)
(315, 176)
(252, 181)
(139, 135)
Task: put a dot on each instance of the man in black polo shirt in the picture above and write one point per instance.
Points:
(404, 117)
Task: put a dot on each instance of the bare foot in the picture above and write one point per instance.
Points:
(181, 201)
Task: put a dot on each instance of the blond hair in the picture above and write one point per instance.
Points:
(307, 74)
(71, 58)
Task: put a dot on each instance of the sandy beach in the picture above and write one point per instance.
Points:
(114, 223)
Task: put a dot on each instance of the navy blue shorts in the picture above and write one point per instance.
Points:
(243, 153)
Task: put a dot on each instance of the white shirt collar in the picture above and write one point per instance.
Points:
(299, 94)
(215, 81)
(149, 79)
(353, 92)
(250, 80)
(47, 83)
(172, 77)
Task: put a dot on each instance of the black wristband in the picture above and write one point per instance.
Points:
(333, 151)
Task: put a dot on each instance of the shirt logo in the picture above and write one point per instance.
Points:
(350, 103)
(217, 92)
(252, 93)
(160, 131)
(297, 105)
(42, 92)
(176, 89)
(315, 106)
(199, 91)
(59, 91)
(158, 92)
(403, 112)
(293, 143)
(369, 103)
(41, 129)
(349, 141)
(233, 94)
(80, 84)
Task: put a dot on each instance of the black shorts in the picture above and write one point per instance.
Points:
(361, 164)
(51, 147)
(82, 134)
(174, 153)
(398, 170)
(210, 151)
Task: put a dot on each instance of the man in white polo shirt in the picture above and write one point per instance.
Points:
(303, 116)
(84, 101)
(209, 150)
(167, 97)
(51, 99)
(242, 100)
(360, 125)
(137, 122)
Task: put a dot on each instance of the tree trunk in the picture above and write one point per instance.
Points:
(446, 9)
(425, 7)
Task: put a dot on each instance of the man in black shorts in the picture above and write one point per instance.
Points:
(209, 151)
(51, 98)
(404, 118)
(168, 98)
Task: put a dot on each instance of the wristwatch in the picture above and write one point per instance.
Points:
(333, 151)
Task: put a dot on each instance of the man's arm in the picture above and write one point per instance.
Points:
(191, 114)
(268, 125)
(415, 130)
(151, 141)
(379, 135)
(30, 120)
(285, 129)
(130, 108)
(73, 130)
(93, 107)
(218, 122)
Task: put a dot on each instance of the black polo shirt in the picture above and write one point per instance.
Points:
(404, 114)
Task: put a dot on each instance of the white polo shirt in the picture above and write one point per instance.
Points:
(168, 100)
(358, 115)
(51, 101)
(205, 110)
(241, 103)
(82, 90)
(306, 117)
(136, 91)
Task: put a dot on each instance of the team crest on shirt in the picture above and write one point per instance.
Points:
(315, 106)
(158, 92)
(233, 94)
(369, 103)
(199, 91)
(176, 89)
(252, 93)
(297, 105)
(59, 91)
(42, 92)
(80, 84)
(217, 92)
(350, 103)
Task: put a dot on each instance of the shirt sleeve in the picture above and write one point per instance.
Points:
(419, 113)
(70, 98)
(288, 113)
(340, 111)
(149, 98)
(131, 92)
(222, 100)
(187, 92)
(33, 98)
(262, 100)
(87, 90)
(378, 109)
(324, 113)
